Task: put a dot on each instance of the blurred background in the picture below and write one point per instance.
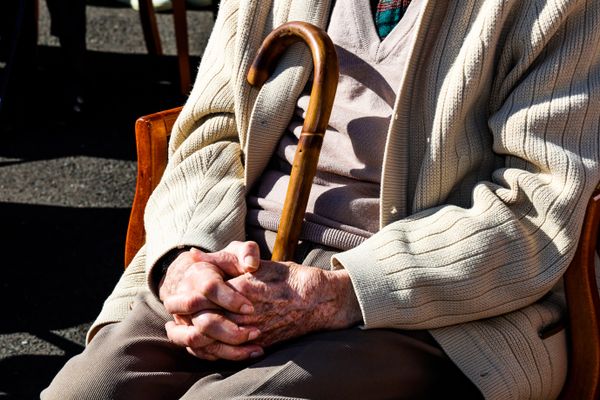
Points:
(68, 166)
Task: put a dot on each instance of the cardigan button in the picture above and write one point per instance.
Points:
(393, 211)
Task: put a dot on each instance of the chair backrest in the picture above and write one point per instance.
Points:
(583, 379)
(152, 135)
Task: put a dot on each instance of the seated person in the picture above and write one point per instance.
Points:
(461, 150)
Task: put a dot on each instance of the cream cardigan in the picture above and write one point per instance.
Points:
(491, 155)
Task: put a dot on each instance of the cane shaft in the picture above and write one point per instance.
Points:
(304, 167)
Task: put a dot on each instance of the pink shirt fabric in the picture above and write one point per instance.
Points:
(343, 207)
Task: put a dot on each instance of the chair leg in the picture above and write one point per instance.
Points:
(181, 38)
(215, 8)
(150, 28)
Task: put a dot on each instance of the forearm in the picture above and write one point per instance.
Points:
(344, 310)
(199, 200)
(200, 203)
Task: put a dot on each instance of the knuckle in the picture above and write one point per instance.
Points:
(185, 257)
(210, 287)
(197, 266)
(188, 304)
(213, 348)
(202, 321)
(245, 248)
(240, 337)
(195, 338)
(206, 322)
(189, 338)
(244, 286)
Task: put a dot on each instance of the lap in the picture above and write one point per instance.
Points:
(348, 364)
(134, 359)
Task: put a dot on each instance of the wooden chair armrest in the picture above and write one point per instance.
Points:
(152, 136)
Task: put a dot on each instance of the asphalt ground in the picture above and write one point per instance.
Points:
(66, 187)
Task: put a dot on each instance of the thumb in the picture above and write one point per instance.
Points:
(247, 253)
(249, 256)
(235, 259)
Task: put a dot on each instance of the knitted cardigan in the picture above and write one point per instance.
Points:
(491, 155)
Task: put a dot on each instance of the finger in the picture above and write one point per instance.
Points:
(248, 254)
(208, 328)
(188, 303)
(201, 354)
(233, 353)
(185, 336)
(237, 258)
(205, 289)
(221, 329)
(209, 294)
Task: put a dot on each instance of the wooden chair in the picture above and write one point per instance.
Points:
(583, 326)
(152, 134)
(152, 36)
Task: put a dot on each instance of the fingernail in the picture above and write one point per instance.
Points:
(253, 335)
(246, 309)
(251, 262)
(256, 354)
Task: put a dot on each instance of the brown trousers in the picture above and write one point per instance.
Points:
(133, 359)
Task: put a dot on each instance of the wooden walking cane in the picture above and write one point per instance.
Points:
(326, 73)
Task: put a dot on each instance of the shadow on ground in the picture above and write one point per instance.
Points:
(59, 263)
(118, 88)
(63, 263)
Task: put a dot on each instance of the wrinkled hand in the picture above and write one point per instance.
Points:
(289, 300)
(195, 286)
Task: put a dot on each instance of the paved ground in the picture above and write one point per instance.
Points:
(65, 191)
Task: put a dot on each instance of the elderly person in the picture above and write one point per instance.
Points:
(463, 143)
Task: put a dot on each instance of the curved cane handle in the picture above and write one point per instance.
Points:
(326, 73)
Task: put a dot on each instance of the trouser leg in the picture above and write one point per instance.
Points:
(132, 359)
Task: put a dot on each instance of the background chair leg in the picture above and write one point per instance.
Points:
(181, 38)
(215, 8)
(150, 28)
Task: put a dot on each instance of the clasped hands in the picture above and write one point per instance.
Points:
(231, 305)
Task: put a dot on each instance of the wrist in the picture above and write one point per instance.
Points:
(346, 310)
(162, 265)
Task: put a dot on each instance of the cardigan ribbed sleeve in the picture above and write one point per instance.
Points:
(200, 198)
(451, 263)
